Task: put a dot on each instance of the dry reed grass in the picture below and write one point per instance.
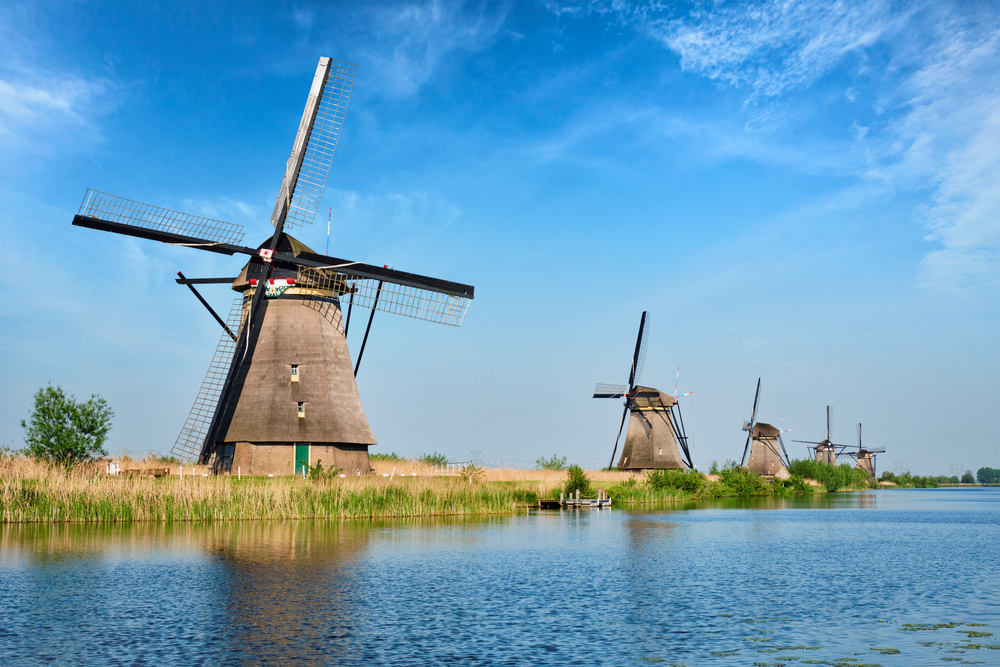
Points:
(409, 467)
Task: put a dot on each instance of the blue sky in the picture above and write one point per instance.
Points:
(803, 192)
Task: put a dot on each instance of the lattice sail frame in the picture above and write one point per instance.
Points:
(603, 390)
(406, 300)
(322, 144)
(192, 436)
(112, 208)
(640, 364)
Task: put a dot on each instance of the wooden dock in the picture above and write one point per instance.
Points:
(601, 501)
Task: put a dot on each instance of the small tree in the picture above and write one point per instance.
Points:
(578, 480)
(967, 478)
(555, 463)
(61, 429)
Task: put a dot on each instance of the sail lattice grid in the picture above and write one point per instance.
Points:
(112, 208)
(322, 144)
(394, 298)
(192, 435)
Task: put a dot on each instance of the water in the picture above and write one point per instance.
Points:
(840, 572)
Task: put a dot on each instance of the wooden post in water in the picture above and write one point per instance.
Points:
(562, 500)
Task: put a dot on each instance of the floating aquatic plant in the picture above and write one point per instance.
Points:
(724, 654)
(974, 633)
(886, 651)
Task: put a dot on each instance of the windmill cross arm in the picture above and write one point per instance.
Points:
(161, 236)
(204, 281)
(360, 270)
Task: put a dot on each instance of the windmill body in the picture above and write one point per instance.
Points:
(865, 457)
(767, 455)
(655, 438)
(280, 394)
(766, 451)
(296, 401)
(651, 438)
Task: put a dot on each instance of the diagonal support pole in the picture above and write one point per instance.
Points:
(371, 317)
(210, 309)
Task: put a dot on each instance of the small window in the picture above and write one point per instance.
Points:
(295, 373)
(302, 410)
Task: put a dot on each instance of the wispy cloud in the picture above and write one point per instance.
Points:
(936, 106)
(38, 107)
(421, 36)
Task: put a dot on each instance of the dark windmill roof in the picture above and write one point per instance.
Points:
(760, 429)
(288, 245)
(650, 397)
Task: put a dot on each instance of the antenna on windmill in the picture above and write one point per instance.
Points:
(656, 434)
(244, 400)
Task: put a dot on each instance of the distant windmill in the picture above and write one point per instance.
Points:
(655, 435)
(280, 392)
(825, 450)
(865, 457)
(767, 451)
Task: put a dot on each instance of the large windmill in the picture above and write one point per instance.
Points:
(655, 427)
(865, 457)
(767, 451)
(826, 451)
(280, 392)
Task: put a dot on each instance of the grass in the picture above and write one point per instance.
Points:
(37, 491)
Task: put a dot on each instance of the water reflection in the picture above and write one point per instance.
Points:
(570, 587)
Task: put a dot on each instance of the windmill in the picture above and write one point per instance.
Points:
(655, 435)
(865, 457)
(767, 451)
(826, 450)
(280, 392)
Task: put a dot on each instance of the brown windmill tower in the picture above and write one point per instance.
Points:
(655, 435)
(826, 450)
(280, 393)
(767, 452)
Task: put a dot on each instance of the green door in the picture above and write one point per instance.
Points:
(301, 457)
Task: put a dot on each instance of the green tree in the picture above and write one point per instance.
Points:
(988, 476)
(435, 459)
(967, 478)
(64, 430)
(555, 463)
(578, 480)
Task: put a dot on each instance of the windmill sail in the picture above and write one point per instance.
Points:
(192, 436)
(316, 142)
(385, 295)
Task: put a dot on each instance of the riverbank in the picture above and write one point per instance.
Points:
(36, 491)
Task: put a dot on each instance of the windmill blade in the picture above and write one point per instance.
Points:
(387, 294)
(753, 413)
(859, 436)
(746, 447)
(828, 422)
(315, 144)
(876, 451)
(609, 390)
(639, 361)
(189, 441)
(618, 437)
(111, 213)
(633, 372)
(787, 460)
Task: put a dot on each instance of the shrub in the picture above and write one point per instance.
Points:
(555, 463)
(690, 481)
(385, 457)
(967, 478)
(742, 482)
(318, 474)
(578, 480)
(471, 473)
(435, 459)
(61, 429)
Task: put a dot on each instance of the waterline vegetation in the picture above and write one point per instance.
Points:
(38, 490)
